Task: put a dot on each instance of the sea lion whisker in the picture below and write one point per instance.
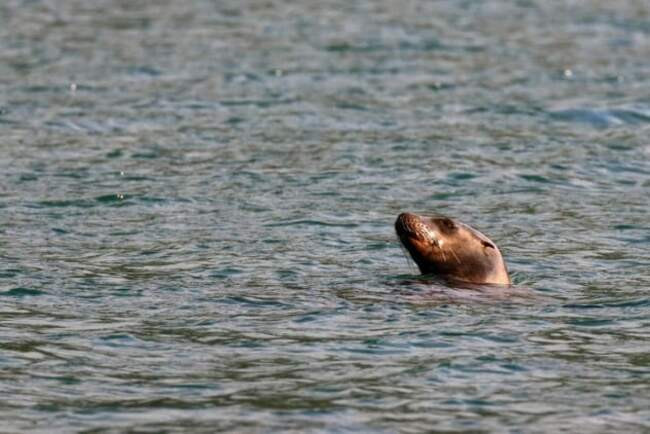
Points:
(455, 255)
(409, 260)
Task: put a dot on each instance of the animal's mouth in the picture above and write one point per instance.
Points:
(410, 227)
(419, 239)
(408, 224)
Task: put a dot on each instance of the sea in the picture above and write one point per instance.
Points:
(197, 203)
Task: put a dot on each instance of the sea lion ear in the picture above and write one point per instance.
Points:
(488, 244)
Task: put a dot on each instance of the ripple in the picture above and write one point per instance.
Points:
(604, 118)
(21, 292)
(311, 223)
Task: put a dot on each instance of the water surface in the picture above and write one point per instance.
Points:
(197, 204)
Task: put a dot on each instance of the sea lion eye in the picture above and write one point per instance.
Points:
(448, 224)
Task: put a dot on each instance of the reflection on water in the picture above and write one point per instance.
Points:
(197, 207)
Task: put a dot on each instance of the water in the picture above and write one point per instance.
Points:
(197, 203)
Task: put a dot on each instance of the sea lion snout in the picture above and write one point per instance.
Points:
(413, 229)
(409, 224)
(403, 224)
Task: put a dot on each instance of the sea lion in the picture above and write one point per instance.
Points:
(451, 249)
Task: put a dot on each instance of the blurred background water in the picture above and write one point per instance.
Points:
(197, 200)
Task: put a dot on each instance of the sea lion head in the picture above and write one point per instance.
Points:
(453, 250)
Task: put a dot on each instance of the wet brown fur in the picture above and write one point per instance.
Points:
(451, 249)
